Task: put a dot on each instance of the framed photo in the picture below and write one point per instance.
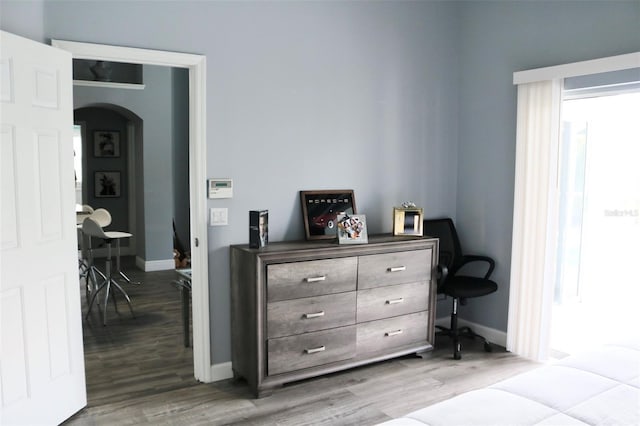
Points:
(352, 229)
(107, 184)
(106, 143)
(320, 210)
(407, 221)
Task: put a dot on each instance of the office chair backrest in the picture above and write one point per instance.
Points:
(450, 249)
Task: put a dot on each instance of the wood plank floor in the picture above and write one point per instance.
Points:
(139, 372)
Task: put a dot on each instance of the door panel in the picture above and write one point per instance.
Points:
(9, 218)
(42, 363)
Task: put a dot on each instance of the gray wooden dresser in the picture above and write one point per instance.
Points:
(301, 309)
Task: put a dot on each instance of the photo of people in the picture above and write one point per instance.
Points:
(352, 229)
(263, 228)
(258, 228)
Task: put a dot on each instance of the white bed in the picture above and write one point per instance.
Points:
(599, 387)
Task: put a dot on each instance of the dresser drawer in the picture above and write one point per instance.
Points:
(311, 278)
(391, 301)
(289, 317)
(381, 335)
(394, 268)
(310, 349)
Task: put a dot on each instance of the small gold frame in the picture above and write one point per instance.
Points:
(407, 221)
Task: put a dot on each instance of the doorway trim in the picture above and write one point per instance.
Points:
(196, 64)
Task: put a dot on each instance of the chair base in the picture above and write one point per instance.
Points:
(91, 281)
(462, 332)
(123, 276)
(455, 333)
(107, 285)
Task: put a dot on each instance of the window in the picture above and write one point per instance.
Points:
(599, 221)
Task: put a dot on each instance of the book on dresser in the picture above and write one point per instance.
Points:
(302, 309)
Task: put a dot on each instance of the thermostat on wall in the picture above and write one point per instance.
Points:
(220, 188)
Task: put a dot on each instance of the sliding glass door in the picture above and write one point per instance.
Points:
(597, 287)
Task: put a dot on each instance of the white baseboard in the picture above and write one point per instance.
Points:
(221, 371)
(155, 265)
(491, 334)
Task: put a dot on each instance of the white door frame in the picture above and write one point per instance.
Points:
(196, 64)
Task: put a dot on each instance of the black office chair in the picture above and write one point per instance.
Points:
(458, 287)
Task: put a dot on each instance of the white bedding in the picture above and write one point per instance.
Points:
(600, 387)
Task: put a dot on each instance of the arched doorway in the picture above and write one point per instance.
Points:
(112, 178)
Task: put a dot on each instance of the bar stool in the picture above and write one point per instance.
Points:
(103, 218)
(82, 212)
(92, 228)
(119, 269)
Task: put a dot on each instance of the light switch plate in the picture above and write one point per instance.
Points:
(218, 216)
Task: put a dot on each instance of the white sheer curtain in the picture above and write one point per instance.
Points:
(530, 293)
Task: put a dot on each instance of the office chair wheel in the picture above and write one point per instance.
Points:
(487, 347)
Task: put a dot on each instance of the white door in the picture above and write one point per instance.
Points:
(41, 355)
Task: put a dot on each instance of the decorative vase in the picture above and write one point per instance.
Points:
(101, 71)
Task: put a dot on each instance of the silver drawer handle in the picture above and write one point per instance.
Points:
(315, 279)
(397, 269)
(394, 301)
(314, 315)
(314, 350)
(392, 333)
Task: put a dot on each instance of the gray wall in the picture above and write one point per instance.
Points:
(24, 18)
(396, 100)
(304, 95)
(154, 106)
(180, 152)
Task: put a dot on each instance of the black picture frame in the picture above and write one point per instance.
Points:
(320, 209)
(107, 184)
(106, 144)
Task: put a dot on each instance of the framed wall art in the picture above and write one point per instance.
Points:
(107, 184)
(320, 210)
(106, 143)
